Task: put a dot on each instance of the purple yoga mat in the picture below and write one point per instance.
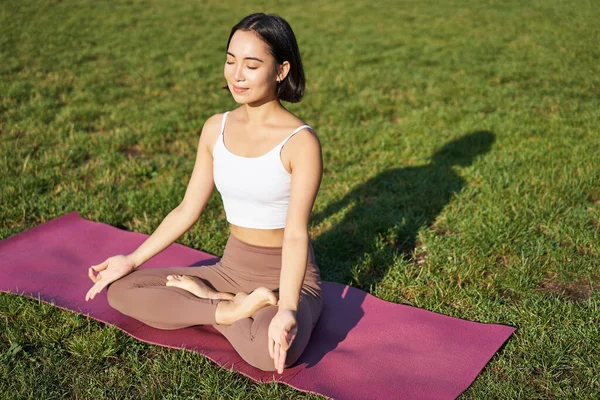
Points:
(362, 347)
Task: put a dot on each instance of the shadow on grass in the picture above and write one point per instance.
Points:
(342, 310)
(384, 215)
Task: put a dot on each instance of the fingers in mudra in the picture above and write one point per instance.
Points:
(196, 287)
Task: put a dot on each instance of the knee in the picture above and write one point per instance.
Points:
(115, 294)
(250, 339)
(256, 352)
(260, 358)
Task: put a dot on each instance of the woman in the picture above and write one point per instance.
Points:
(264, 295)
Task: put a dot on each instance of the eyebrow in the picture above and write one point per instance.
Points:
(247, 58)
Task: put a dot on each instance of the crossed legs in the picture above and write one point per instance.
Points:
(166, 299)
(173, 298)
(234, 308)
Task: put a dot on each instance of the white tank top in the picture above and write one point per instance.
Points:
(255, 190)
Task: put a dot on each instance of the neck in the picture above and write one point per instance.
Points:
(258, 113)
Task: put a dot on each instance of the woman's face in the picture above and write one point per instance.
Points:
(251, 71)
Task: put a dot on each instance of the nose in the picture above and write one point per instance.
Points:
(238, 75)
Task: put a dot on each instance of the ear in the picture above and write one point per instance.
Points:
(282, 70)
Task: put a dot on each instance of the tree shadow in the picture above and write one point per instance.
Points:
(383, 216)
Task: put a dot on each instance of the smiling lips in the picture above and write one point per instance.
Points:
(238, 89)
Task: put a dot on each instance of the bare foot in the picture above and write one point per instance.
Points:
(196, 287)
(244, 305)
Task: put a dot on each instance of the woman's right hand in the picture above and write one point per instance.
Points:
(112, 269)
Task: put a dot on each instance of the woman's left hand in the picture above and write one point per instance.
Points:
(282, 332)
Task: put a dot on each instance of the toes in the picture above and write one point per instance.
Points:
(174, 280)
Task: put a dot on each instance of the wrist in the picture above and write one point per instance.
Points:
(287, 307)
(134, 260)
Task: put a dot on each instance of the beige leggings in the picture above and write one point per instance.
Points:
(144, 296)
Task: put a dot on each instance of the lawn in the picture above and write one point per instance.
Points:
(462, 172)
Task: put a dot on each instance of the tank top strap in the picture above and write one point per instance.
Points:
(298, 129)
(223, 123)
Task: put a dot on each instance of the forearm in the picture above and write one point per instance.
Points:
(293, 269)
(175, 224)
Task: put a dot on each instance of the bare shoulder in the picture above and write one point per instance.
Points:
(303, 149)
(211, 130)
(306, 138)
(213, 124)
(303, 146)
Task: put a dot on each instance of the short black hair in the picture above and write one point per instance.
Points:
(279, 36)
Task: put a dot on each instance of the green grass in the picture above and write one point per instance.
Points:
(462, 160)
